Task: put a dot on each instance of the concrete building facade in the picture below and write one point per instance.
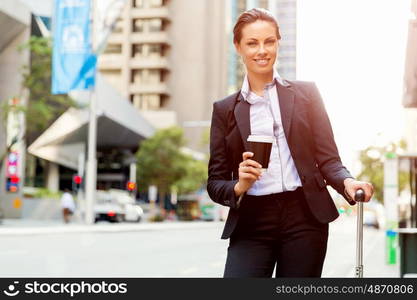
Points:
(410, 82)
(169, 58)
(15, 20)
(285, 12)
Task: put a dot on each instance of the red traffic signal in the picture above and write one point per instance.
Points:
(131, 186)
(12, 184)
(14, 179)
(77, 179)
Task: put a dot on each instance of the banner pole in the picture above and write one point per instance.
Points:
(91, 176)
(91, 181)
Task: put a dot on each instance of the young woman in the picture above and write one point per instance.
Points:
(279, 217)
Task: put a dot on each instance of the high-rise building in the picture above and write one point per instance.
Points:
(168, 57)
(15, 20)
(410, 76)
(135, 60)
(285, 12)
(410, 82)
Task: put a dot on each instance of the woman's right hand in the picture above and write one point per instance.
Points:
(249, 172)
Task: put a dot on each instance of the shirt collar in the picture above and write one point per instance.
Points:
(245, 90)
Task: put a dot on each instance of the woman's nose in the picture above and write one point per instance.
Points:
(262, 48)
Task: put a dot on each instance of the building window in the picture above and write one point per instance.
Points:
(150, 102)
(138, 3)
(138, 25)
(147, 101)
(147, 25)
(148, 50)
(137, 76)
(155, 50)
(155, 25)
(156, 3)
(146, 76)
(137, 50)
(154, 77)
(118, 26)
(113, 49)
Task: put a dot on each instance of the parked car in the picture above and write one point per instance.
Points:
(116, 206)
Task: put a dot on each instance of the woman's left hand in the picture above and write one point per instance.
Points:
(352, 185)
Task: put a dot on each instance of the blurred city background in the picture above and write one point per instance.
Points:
(109, 179)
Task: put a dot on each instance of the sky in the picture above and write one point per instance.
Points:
(355, 52)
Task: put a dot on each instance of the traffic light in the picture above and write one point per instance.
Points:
(12, 184)
(131, 186)
(77, 179)
(76, 182)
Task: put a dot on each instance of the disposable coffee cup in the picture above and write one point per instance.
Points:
(261, 146)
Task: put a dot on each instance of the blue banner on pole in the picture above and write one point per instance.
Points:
(73, 62)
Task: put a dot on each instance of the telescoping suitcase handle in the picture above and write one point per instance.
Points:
(359, 198)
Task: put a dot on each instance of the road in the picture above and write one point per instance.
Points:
(187, 249)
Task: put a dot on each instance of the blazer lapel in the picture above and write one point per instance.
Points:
(286, 104)
(242, 118)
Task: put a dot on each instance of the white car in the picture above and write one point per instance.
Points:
(116, 206)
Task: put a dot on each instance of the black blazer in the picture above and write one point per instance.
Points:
(309, 136)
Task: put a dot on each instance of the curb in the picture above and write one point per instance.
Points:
(106, 228)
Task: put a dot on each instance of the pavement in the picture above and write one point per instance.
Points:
(342, 248)
(29, 227)
(42, 218)
(341, 245)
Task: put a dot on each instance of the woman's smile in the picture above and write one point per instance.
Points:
(262, 62)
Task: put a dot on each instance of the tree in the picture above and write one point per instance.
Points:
(43, 108)
(372, 160)
(162, 163)
(194, 177)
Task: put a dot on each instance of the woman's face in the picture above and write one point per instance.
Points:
(258, 47)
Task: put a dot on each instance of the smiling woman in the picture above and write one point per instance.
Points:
(257, 44)
(278, 216)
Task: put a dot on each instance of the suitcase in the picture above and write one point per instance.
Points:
(359, 198)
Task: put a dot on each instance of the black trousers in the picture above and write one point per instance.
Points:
(280, 230)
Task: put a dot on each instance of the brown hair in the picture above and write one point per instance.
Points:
(251, 16)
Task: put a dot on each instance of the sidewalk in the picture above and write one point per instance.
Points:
(29, 227)
(342, 248)
(340, 259)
